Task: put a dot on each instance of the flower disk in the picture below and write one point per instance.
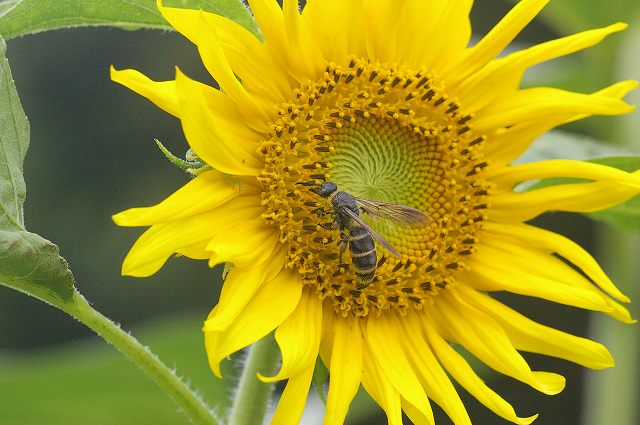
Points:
(387, 101)
(385, 134)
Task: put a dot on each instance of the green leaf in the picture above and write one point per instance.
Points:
(32, 264)
(625, 215)
(28, 262)
(14, 141)
(33, 16)
(321, 380)
(6, 5)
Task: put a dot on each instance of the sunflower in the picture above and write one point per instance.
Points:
(386, 100)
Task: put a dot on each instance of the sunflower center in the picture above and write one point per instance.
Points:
(381, 134)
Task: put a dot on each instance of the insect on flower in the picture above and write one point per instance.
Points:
(394, 103)
(357, 234)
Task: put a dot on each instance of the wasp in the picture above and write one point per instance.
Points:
(359, 236)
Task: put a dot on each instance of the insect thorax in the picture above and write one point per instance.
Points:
(345, 200)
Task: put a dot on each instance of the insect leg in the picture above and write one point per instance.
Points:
(343, 244)
(332, 225)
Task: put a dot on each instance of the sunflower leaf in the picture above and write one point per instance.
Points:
(32, 16)
(14, 141)
(625, 215)
(28, 262)
(6, 5)
(32, 264)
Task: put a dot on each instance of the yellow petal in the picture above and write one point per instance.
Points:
(292, 53)
(303, 49)
(259, 317)
(433, 378)
(246, 55)
(386, 348)
(375, 381)
(496, 270)
(161, 93)
(575, 197)
(293, 398)
(436, 31)
(247, 245)
(203, 33)
(486, 340)
(345, 368)
(507, 144)
(337, 27)
(511, 175)
(537, 273)
(223, 151)
(204, 193)
(552, 242)
(476, 57)
(504, 75)
(299, 337)
(195, 251)
(415, 415)
(238, 289)
(458, 367)
(542, 102)
(527, 335)
(618, 90)
(153, 248)
(269, 17)
(329, 319)
(382, 24)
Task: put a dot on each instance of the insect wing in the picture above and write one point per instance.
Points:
(396, 213)
(375, 235)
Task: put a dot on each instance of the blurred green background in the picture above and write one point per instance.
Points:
(92, 155)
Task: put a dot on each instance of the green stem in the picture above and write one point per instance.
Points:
(252, 399)
(611, 395)
(192, 405)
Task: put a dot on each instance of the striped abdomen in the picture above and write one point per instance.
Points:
(363, 254)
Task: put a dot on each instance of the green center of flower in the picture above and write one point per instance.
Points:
(387, 135)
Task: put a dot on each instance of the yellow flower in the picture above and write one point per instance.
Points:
(384, 99)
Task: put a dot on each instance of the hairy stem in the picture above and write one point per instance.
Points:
(252, 398)
(192, 405)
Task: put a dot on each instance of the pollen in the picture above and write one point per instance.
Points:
(385, 134)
